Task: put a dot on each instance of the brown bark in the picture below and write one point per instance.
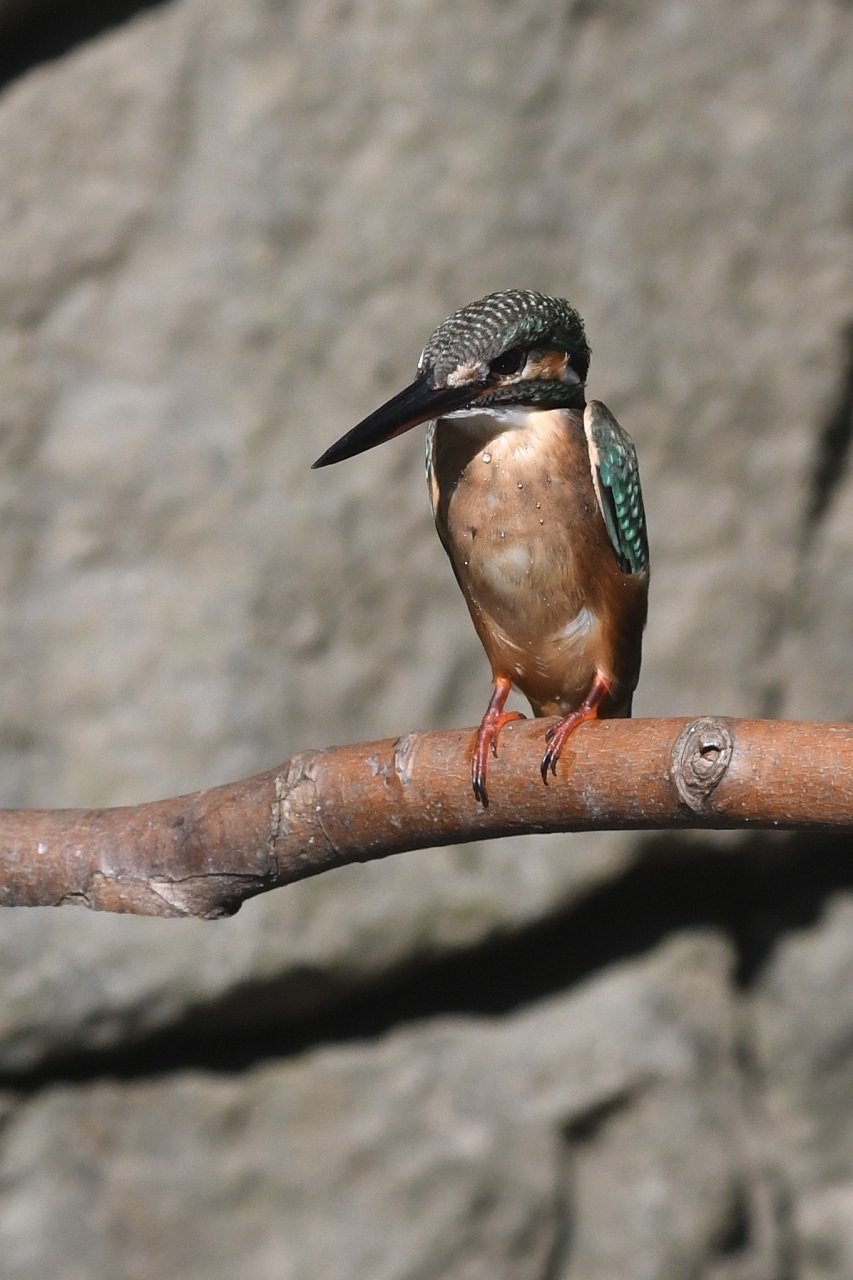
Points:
(204, 854)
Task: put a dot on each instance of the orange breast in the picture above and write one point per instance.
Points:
(516, 510)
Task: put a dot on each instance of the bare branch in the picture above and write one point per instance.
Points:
(204, 854)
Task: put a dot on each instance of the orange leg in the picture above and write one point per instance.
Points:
(487, 736)
(559, 734)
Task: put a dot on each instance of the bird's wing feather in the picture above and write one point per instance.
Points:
(616, 478)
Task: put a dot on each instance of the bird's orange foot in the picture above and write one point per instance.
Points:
(559, 734)
(487, 737)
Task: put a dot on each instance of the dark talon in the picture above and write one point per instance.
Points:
(479, 786)
(549, 761)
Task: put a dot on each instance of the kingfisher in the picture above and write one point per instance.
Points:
(536, 497)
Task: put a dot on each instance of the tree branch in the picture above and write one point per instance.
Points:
(204, 854)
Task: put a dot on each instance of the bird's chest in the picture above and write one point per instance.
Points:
(517, 514)
(504, 526)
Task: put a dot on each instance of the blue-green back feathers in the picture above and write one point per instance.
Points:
(616, 477)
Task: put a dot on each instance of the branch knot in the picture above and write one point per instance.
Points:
(700, 759)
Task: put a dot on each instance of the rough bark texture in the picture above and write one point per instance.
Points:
(205, 854)
(226, 231)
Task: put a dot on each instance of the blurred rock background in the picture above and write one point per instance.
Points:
(226, 231)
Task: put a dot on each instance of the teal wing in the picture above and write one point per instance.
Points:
(616, 477)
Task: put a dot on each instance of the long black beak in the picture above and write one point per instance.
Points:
(418, 403)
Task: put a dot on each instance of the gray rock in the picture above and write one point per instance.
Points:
(71, 981)
(803, 1028)
(815, 652)
(438, 1151)
(225, 232)
(825, 1231)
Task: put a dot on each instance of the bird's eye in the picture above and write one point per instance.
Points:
(511, 361)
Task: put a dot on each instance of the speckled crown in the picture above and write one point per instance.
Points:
(500, 321)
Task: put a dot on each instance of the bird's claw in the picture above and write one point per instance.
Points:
(549, 760)
(558, 735)
(487, 740)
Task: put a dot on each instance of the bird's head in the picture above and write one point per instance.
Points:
(508, 350)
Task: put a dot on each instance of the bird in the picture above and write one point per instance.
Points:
(536, 497)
